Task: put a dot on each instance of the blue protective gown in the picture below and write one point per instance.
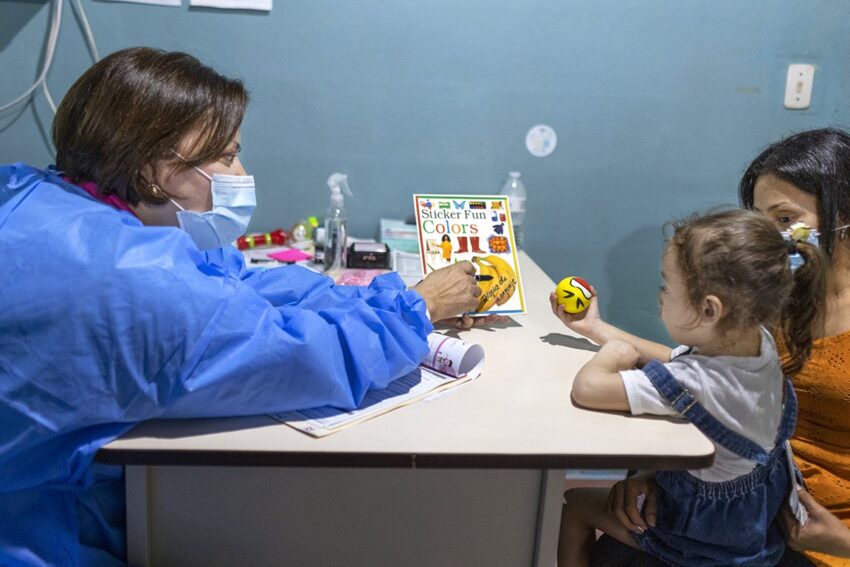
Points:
(105, 322)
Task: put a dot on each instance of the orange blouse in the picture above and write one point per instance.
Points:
(821, 442)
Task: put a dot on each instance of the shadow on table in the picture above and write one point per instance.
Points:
(505, 323)
(176, 428)
(578, 343)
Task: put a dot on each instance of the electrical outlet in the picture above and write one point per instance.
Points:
(798, 86)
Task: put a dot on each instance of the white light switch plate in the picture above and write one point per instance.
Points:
(798, 86)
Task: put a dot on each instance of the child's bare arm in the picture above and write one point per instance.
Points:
(647, 350)
(589, 324)
(598, 384)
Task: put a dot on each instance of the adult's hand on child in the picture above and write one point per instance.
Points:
(623, 502)
(449, 291)
(585, 323)
(822, 532)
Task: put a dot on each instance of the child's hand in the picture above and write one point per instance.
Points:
(584, 323)
(622, 353)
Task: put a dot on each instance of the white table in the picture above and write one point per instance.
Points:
(471, 479)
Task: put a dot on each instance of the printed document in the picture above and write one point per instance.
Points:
(450, 362)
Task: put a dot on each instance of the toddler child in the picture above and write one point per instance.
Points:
(727, 280)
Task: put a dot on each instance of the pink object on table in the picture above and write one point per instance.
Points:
(357, 276)
(291, 255)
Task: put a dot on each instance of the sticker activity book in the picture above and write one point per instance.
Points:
(477, 228)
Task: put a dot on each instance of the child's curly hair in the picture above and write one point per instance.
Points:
(740, 257)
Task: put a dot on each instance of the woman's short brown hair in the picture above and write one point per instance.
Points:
(135, 106)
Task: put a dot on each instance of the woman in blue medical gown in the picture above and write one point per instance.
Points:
(111, 314)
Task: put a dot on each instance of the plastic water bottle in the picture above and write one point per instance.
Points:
(514, 190)
(335, 223)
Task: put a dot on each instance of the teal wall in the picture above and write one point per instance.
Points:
(658, 105)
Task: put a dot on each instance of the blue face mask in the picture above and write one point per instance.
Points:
(800, 232)
(233, 201)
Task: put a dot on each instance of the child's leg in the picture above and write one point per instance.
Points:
(585, 512)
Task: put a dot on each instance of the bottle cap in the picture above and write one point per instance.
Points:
(338, 183)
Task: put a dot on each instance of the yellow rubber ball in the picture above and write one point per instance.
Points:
(574, 294)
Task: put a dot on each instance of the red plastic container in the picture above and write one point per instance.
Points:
(276, 237)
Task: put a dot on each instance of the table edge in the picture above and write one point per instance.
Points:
(400, 460)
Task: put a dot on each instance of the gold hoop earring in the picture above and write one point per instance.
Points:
(155, 189)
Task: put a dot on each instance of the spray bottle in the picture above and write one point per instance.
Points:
(335, 229)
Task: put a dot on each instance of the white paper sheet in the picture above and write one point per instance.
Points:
(461, 360)
(154, 2)
(320, 422)
(797, 507)
(234, 4)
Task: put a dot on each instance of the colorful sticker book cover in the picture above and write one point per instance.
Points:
(454, 228)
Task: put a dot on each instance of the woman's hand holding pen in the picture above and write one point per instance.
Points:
(449, 291)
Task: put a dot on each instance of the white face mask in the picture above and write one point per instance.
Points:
(234, 199)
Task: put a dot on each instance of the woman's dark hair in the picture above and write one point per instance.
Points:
(740, 257)
(817, 162)
(133, 108)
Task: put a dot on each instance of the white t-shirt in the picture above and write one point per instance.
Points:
(743, 393)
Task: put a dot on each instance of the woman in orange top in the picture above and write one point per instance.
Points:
(806, 179)
(803, 178)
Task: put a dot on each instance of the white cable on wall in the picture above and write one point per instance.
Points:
(52, 36)
(49, 98)
(50, 50)
(84, 23)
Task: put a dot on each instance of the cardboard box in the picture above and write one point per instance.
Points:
(400, 236)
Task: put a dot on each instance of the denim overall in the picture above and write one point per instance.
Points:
(732, 522)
